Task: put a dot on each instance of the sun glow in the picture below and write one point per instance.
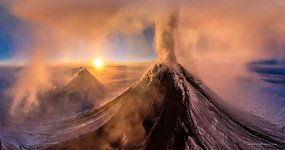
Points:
(98, 63)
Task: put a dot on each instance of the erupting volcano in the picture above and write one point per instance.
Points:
(170, 109)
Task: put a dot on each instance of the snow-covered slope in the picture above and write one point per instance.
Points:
(170, 109)
(167, 109)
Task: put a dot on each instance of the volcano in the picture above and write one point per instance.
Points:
(86, 86)
(171, 109)
(83, 92)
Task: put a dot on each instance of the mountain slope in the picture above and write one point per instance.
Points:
(85, 82)
(83, 92)
(203, 122)
(86, 86)
(169, 109)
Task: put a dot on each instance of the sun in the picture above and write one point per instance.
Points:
(98, 63)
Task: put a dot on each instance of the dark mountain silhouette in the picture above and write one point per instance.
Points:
(86, 86)
(170, 109)
(83, 92)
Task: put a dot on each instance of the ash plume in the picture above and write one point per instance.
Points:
(164, 38)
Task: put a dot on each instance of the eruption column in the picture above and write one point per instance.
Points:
(164, 38)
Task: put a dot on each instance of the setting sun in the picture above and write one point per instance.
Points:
(98, 63)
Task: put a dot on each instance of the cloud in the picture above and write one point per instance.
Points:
(32, 79)
(82, 29)
(215, 27)
(165, 39)
(216, 39)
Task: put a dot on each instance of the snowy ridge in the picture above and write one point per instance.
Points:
(217, 125)
(45, 135)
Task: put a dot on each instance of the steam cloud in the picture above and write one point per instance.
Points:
(31, 80)
(165, 42)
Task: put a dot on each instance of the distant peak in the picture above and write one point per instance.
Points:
(84, 78)
(83, 71)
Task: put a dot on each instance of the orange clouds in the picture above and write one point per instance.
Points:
(234, 31)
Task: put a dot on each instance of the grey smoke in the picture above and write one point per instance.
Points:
(165, 38)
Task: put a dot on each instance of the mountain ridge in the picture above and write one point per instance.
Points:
(168, 108)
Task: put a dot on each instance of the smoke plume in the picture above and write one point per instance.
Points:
(165, 40)
(32, 79)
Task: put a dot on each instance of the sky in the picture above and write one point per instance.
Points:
(14, 34)
(75, 31)
(19, 35)
(6, 39)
